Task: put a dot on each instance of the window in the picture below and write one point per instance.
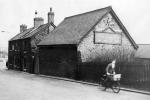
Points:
(16, 46)
(26, 45)
(13, 47)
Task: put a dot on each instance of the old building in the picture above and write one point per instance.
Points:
(93, 37)
(23, 46)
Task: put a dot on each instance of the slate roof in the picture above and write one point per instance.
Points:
(30, 32)
(143, 51)
(72, 29)
(19, 35)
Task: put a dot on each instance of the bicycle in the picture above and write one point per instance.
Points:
(113, 83)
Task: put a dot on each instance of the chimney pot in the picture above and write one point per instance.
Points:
(51, 16)
(50, 9)
(35, 12)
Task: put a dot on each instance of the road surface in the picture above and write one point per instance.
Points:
(15, 85)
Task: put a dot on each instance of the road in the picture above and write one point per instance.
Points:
(15, 85)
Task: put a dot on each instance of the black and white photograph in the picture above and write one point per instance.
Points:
(74, 50)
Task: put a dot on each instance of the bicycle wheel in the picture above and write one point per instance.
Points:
(116, 87)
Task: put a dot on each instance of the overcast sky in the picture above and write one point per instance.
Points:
(134, 14)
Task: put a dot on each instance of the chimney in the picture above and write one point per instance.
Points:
(23, 28)
(50, 16)
(38, 21)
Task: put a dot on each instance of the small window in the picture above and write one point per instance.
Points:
(25, 45)
(13, 47)
(16, 46)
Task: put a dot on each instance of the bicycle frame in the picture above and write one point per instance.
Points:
(110, 83)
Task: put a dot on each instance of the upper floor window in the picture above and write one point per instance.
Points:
(25, 45)
(12, 47)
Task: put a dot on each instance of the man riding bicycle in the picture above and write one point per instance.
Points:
(111, 79)
(110, 71)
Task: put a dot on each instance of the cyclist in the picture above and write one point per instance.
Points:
(110, 71)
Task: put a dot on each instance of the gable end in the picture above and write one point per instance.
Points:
(123, 29)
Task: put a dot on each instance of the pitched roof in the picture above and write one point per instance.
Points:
(19, 35)
(72, 29)
(35, 30)
(143, 51)
(30, 32)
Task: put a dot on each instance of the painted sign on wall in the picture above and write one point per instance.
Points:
(107, 38)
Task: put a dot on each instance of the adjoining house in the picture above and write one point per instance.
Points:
(23, 46)
(93, 37)
(143, 52)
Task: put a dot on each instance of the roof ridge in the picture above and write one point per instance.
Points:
(109, 7)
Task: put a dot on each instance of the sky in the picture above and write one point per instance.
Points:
(134, 14)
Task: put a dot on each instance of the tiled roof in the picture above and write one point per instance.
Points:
(30, 32)
(18, 36)
(72, 29)
(35, 30)
(143, 51)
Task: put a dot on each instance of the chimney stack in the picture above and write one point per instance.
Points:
(23, 28)
(50, 16)
(38, 21)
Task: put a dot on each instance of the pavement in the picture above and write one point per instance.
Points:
(88, 83)
(94, 84)
(18, 85)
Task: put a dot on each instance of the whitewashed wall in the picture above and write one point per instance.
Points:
(98, 46)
